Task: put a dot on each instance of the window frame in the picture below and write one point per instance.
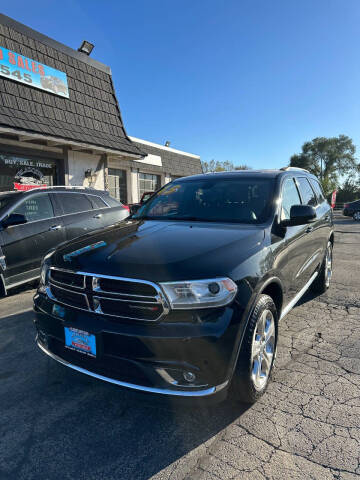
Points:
(157, 186)
(299, 190)
(311, 180)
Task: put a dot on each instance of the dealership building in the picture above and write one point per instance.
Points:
(60, 122)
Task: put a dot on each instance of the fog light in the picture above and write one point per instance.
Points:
(189, 377)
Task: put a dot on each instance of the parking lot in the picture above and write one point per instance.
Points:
(59, 424)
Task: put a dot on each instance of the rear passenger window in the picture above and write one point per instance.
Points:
(316, 186)
(112, 202)
(306, 192)
(74, 202)
(290, 197)
(97, 201)
(37, 207)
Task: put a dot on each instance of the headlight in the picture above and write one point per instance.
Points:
(215, 292)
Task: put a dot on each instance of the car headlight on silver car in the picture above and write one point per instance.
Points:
(184, 295)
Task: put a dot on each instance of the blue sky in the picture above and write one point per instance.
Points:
(245, 81)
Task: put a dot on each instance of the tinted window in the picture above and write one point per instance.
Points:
(246, 200)
(6, 199)
(97, 202)
(290, 197)
(306, 192)
(112, 202)
(74, 202)
(37, 207)
(316, 186)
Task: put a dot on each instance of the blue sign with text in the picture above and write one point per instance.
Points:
(25, 70)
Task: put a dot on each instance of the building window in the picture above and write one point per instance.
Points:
(117, 184)
(20, 173)
(148, 183)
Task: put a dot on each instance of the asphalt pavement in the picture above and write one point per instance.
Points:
(58, 424)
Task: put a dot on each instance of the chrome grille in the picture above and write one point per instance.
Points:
(69, 279)
(116, 297)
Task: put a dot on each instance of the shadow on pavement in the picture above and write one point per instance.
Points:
(58, 423)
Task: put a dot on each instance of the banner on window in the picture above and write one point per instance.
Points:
(25, 70)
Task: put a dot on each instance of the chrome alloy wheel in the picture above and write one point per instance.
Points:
(357, 216)
(263, 349)
(328, 265)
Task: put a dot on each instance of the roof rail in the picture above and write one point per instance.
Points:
(70, 187)
(285, 169)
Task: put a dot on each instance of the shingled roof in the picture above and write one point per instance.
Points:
(175, 162)
(91, 115)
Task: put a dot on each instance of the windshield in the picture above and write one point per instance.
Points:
(245, 200)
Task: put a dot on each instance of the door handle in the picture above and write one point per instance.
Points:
(55, 227)
(99, 215)
(309, 229)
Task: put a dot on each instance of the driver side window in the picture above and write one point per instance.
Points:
(37, 207)
(290, 197)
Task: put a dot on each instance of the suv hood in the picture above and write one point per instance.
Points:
(161, 250)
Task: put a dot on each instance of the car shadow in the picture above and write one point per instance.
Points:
(59, 422)
(307, 297)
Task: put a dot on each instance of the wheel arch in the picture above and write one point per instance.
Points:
(273, 287)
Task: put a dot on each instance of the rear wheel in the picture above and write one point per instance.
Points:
(257, 352)
(356, 216)
(322, 281)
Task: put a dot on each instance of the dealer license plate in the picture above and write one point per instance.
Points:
(80, 341)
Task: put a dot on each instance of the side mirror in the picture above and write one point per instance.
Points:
(300, 215)
(134, 208)
(146, 197)
(14, 219)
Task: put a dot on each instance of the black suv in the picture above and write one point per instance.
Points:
(33, 222)
(184, 297)
(351, 208)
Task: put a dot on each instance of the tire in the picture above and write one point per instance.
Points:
(257, 353)
(322, 281)
(356, 216)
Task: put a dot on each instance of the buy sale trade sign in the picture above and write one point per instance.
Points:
(25, 70)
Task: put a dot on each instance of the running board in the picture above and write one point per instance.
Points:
(297, 297)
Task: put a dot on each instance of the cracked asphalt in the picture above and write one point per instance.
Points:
(58, 424)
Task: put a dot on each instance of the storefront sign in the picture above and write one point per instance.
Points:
(21, 173)
(28, 178)
(24, 70)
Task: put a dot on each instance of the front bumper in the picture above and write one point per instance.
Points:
(133, 386)
(149, 358)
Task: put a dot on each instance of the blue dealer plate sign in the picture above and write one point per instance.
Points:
(25, 70)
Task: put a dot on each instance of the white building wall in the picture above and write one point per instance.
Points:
(79, 162)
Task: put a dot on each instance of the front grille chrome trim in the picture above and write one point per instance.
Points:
(98, 309)
(56, 282)
(52, 297)
(96, 294)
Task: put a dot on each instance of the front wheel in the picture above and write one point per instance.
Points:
(257, 353)
(356, 216)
